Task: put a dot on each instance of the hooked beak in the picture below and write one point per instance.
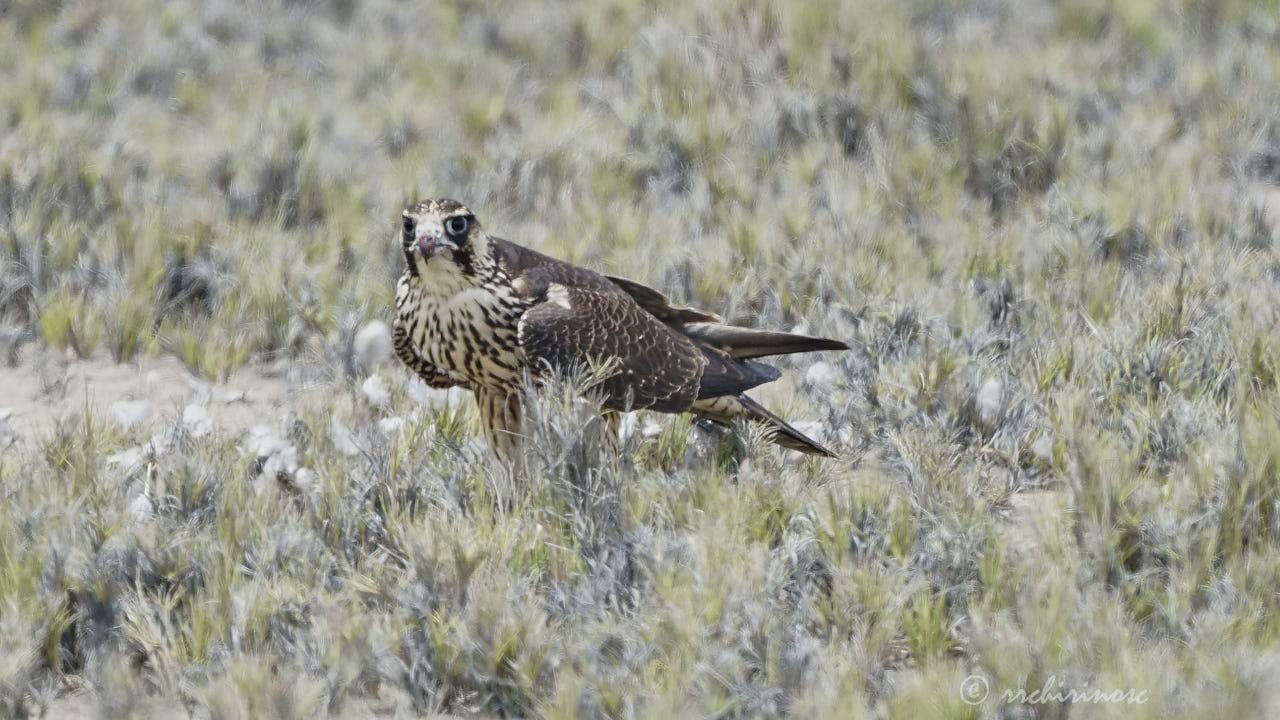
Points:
(430, 244)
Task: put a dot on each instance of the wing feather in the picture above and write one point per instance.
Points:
(660, 306)
(654, 367)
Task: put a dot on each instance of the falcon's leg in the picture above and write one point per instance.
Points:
(500, 420)
(408, 354)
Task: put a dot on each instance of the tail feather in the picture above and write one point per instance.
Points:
(743, 343)
(728, 376)
(725, 409)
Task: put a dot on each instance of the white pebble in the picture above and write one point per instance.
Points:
(160, 443)
(434, 398)
(278, 457)
(375, 391)
(278, 465)
(821, 375)
(990, 400)
(263, 440)
(390, 426)
(650, 428)
(372, 345)
(229, 395)
(197, 421)
(627, 426)
(306, 481)
(129, 414)
(130, 460)
(198, 390)
(140, 510)
(1042, 448)
(343, 439)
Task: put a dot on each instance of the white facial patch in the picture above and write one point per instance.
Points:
(427, 225)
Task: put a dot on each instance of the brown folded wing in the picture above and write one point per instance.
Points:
(653, 366)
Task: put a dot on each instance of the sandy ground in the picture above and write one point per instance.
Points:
(46, 390)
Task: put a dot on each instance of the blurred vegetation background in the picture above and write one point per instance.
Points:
(1048, 229)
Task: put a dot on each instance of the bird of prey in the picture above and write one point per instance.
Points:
(477, 311)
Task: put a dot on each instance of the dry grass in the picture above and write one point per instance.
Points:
(1048, 230)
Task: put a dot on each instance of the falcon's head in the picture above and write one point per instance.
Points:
(443, 236)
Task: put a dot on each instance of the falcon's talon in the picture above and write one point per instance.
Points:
(490, 311)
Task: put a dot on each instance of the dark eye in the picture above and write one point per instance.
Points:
(456, 225)
(408, 224)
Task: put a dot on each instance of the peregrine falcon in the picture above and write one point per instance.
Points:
(479, 312)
